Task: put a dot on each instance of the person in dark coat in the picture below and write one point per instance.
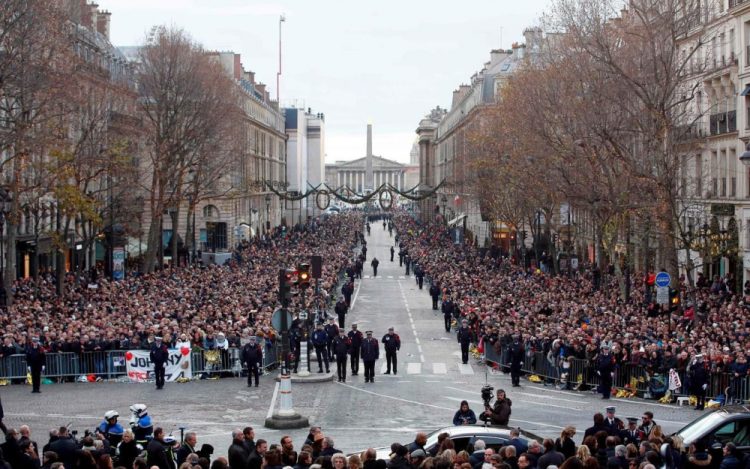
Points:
(614, 424)
(517, 355)
(35, 362)
(391, 344)
(399, 461)
(370, 353)
(699, 381)
(341, 349)
(341, 309)
(252, 358)
(320, 342)
(392, 252)
(159, 355)
(435, 294)
(448, 313)
(605, 368)
(157, 451)
(732, 458)
(66, 448)
(11, 449)
(551, 457)
(598, 426)
(348, 290)
(374, 264)
(128, 450)
(464, 415)
(332, 331)
(632, 434)
(464, 338)
(419, 274)
(238, 454)
(355, 338)
(499, 413)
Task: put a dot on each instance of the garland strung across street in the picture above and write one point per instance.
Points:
(386, 194)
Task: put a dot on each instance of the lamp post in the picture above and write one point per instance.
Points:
(444, 200)
(268, 212)
(5, 207)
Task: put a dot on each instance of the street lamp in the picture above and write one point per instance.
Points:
(5, 206)
(268, 212)
(745, 157)
(444, 200)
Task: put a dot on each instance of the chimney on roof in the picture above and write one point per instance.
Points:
(102, 23)
(261, 89)
(94, 8)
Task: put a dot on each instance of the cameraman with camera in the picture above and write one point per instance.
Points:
(499, 413)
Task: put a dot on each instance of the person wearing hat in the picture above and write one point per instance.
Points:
(159, 356)
(35, 362)
(614, 425)
(341, 348)
(464, 338)
(392, 344)
(699, 380)
(605, 368)
(517, 355)
(370, 353)
(320, 342)
(356, 338)
(332, 331)
(252, 358)
(632, 434)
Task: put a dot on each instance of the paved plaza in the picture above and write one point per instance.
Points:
(424, 395)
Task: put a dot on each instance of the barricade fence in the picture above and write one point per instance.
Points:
(576, 373)
(112, 364)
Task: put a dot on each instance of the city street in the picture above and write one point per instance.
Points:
(430, 383)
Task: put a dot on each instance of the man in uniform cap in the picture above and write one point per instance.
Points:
(159, 355)
(35, 360)
(370, 353)
(632, 434)
(320, 342)
(252, 357)
(392, 344)
(613, 424)
(605, 368)
(332, 330)
(341, 348)
(356, 338)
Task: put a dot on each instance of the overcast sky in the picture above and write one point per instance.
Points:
(386, 61)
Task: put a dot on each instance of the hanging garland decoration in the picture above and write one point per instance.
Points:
(415, 198)
(385, 199)
(356, 200)
(287, 196)
(327, 198)
(410, 191)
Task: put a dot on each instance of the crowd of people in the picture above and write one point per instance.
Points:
(577, 317)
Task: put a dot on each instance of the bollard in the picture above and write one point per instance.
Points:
(304, 370)
(286, 417)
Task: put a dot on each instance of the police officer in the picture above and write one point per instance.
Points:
(401, 254)
(252, 357)
(341, 309)
(320, 342)
(35, 362)
(111, 430)
(375, 263)
(332, 330)
(347, 290)
(159, 355)
(370, 353)
(435, 294)
(295, 341)
(341, 348)
(448, 307)
(605, 368)
(464, 338)
(392, 344)
(632, 434)
(355, 338)
(517, 353)
(699, 381)
(419, 274)
(392, 252)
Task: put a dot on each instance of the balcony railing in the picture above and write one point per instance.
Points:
(723, 122)
(734, 3)
(685, 133)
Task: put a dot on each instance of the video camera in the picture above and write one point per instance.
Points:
(487, 394)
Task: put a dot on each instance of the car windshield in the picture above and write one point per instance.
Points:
(698, 428)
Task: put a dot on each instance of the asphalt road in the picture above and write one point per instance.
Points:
(423, 396)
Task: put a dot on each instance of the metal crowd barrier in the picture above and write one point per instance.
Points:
(583, 372)
(111, 364)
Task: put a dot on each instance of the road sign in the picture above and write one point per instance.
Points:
(303, 315)
(662, 279)
(276, 320)
(662, 295)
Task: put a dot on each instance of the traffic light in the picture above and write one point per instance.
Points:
(674, 299)
(303, 275)
(287, 279)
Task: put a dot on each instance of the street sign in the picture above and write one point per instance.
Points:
(662, 279)
(118, 263)
(303, 315)
(276, 320)
(662, 295)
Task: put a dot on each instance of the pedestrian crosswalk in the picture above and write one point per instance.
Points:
(437, 368)
(382, 277)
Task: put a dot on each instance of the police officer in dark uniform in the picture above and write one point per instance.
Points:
(295, 341)
(614, 424)
(341, 309)
(355, 338)
(370, 353)
(393, 251)
(332, 330)
(401, 254)
(392, 344)
(419, 273)
(347, 290)
(699, 381)
(605, 368)
(517, 353)
(341, 348)
(632, 434)
(448, 308)
(35, 361)
(320, 342)
(374, 264)
(435, 294)
(159, 355)
(252, 357)
(464, 338)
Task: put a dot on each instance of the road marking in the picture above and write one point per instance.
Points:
(439, 368)
(421, 358)
(401, 277)
(465, 369)
(549, 397)
(419, 347)
(416, 341)
(390, 276)
(356, 294)
(273, 401)
(413, 368)
(365, 276)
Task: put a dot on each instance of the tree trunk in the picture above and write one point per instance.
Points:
(189, 235)
(175, 215)
(9, 275)
(154, 238)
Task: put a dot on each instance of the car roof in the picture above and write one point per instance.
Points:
(735, 409)
(487, 430)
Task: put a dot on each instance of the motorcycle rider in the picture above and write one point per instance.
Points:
(111, 430)
(140, 422)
